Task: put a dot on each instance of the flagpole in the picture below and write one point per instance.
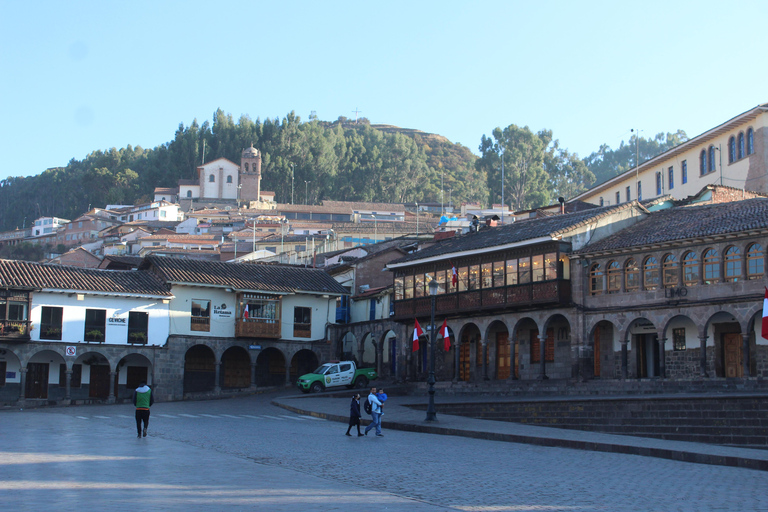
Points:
(431, 413)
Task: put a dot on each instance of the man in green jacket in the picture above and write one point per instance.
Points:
(143, 400)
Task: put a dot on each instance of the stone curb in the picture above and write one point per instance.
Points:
(626, 449)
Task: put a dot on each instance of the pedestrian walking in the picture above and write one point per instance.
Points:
(382, 396)
(375, 414)
(143, 400)
(354, 415)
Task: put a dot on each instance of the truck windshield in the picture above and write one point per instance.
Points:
(321, 370)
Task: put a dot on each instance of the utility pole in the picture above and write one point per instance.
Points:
(292, 169)
(502, 186)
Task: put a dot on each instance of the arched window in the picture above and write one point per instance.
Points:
(229, 179)
(740, 147)
(690, 269)
(755, 262)
(631, 275)
(670, 270)
(703, 162)
(732, 261)
(212, 178)
(711, 267)
(731, 149)
(651, 273)
(711, 158)
(596, 279)
(750, 141)
(614, 277)
(246, 166)
(189, 193)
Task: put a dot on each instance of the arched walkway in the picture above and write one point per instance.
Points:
(132, 370)
(199, 370)
(235, 368)
(270, 368)
(303, 361)
(95, 376)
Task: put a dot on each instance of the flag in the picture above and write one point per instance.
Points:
(416, 333)
(245, 311)
(454, 276)
(765, 315)
(446, 335)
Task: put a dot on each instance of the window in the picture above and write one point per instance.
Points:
(463, 278)
(95, 325)
(261, 308)
(755, 262)
(678, 339)
(671, 178)
(212, 178)
(703, 162)
(614, 277)
(684, 172)
(596, 279)
(658, 183)
(418, 288)
(651, 273)
(399, 288)
(189, 193)
(229, 179)
(690, 269)
(711, 267)
(162, 214)
(138, 327)
(302, 322)
(550, 266)
(524, 270)
(537, 268)
(441, 282)
(618, 197)
(631, 275)
(428, 278)
(639, 191)
(498, 274)
(474, 277)
(628, 194)
(408, 287)
(740, 147)
(750, 141)
(201, 315)
(669, 269)
(711, 158)
(487, 275)
(77, 374)
(731, 149)
(511, 272)
(732, 262)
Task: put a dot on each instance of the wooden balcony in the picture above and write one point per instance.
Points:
(520, 296)
(257, 328)
(14, 330)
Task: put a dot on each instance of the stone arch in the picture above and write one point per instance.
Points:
(643, 344)
(41, 379)
(303, 361)
(199, 369)
(755, 330)
(500, 361)
(602, 339)
(725, 339)
(468, 341)
(525, 333)
(270, 367)
(347, 347)
(368, 352)
(235, 370)
(95, 375)
(12, 369)
(389, 352)
(131, 370)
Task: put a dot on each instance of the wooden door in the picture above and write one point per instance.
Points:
(37, 380)
(464, 362)
(732, 360)
(502, 355)
(237, 373)
(596, 346)
(99, 386)
(135, 376)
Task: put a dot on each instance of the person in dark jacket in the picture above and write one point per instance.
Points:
(143, 400)
(354, 415)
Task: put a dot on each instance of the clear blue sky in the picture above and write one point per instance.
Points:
(85, 75)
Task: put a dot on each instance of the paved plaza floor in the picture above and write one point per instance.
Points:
(248, 454)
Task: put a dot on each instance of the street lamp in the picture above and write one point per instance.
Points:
(306, 187)
(431, 414)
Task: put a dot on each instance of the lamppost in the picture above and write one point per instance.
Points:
(431, 414)
(306, 187)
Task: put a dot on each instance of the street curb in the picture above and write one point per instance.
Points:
(661, 453)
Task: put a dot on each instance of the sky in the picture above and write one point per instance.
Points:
(82, 76)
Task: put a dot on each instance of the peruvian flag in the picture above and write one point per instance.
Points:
(245, 311)
(765, 315)
(416, 333)
(454, 276)
(446, 335)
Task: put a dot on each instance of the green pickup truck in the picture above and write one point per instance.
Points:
(338, 373)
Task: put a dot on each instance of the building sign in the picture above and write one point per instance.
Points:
(117, 321)
(222, 311)
(71, 351)
(254, 347)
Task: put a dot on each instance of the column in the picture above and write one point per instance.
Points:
(253, 374)
(624, 359)
(662, 357)
(703, 357)
(456, 353)
(287, 373)
(512, 349)
(377, 350)
(485, 359)
(112, 376)
(23, 382)
(745, 354)
(542, 357)
(68, 388)
(217, 378)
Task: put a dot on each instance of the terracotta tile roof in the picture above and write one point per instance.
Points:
(245, 276)
(520, 231)
(686, 223)
(302, 208)
(359, 205)
(25, 274)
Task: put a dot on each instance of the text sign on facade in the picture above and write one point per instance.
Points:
(71, 351)
(222, 311)
(117, 321)
(254, 347)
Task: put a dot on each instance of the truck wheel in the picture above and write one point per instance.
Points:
(316, 387)
(361, 382)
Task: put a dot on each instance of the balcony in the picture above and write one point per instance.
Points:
(257, 328)
(14, 330)
(509, 297)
